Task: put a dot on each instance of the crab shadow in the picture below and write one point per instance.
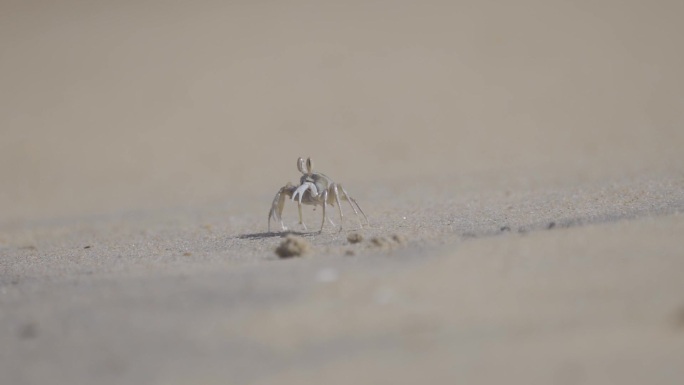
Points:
(273, 234)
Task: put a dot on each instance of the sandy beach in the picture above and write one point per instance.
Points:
(521, 166)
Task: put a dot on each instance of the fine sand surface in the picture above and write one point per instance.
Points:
(521, 165)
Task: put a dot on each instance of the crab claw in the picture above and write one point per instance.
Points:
(301, 190)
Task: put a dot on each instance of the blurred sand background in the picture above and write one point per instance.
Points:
(156, 133)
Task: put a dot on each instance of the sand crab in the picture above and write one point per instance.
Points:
(314, 189)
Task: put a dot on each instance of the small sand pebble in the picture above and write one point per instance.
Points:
(381, 242)
(400, 239)
(350, 252)
(292, 246)
(389, 242)
(187, 254)
(354, 238)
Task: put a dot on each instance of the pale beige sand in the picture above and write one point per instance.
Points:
(531, 154)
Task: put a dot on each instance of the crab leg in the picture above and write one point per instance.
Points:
(336, 194)
(299, 207)
(324, 203)
(352, 202)
(276, 212)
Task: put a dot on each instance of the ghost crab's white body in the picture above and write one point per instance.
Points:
(315, 189)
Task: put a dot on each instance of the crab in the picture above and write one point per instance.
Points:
(314, 189)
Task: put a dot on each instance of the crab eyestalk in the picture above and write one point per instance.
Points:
(309, 165)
